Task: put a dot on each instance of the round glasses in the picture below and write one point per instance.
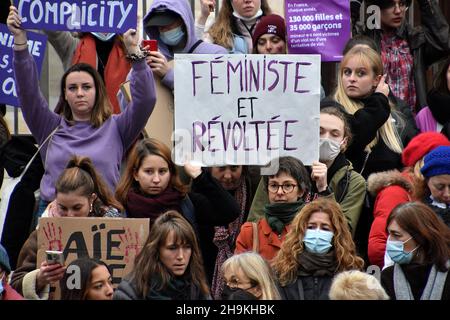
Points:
(287, 188)
(402, 5)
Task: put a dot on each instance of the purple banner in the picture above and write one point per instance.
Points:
(36, 46)
(318, 27)
(78, 15)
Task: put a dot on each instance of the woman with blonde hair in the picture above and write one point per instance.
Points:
(356, 285)
(235, 23)
(249, 272)
(318, 246)
(377, 127)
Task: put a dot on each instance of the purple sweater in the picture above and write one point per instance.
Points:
(104, 145)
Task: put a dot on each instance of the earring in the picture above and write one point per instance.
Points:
(90, 211)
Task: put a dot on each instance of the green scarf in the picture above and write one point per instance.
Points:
(279, 215)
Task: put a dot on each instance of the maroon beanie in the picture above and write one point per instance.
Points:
(422, 144)
(272, 24)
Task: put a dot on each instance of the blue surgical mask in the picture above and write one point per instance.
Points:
(318, 241)
(395, 250)
(172, 37)
(103, 36)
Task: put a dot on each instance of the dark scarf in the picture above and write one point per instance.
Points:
(225, 239)
(147, 206)
(179, 288)
(439, 105)
(317, 265)
(279, 215)
(338, 163)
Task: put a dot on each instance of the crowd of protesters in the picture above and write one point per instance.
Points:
(379, 194)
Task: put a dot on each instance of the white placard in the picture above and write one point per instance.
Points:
(246, 109)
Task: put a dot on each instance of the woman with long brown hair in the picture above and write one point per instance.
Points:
(318, 246)
(169, 266)
(235, 23)
(419, 244)
(83, 123)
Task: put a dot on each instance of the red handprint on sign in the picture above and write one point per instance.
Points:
(131, 241)
(54, 236)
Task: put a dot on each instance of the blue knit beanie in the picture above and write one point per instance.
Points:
(4, 260)
(437, 162)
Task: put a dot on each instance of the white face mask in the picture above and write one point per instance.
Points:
(103, 36)
(258, 14)
(329, 149)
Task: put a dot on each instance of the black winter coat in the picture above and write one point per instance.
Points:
(307, 288)
(416, 275)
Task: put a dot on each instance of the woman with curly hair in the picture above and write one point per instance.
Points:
(318, 246)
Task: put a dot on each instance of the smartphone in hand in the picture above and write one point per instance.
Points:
(53, 257)
(153, 44)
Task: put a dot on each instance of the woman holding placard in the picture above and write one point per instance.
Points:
(80, 192)
(84, 120)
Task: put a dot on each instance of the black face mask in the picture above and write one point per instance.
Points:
(237, 294)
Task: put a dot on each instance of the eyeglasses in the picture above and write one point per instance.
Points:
(287, 188)
(235, 283)
(402, 5)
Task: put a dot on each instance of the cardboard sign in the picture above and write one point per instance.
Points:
(115, 241)
(318, 27)
(78, 15)
(36, 46)
(246, 109)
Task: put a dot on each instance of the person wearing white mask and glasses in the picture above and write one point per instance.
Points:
(317, 247)
(419, 245)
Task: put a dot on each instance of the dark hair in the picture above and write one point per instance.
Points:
(142, 149)
(427, 230)
(293, 167)
(360, 40)
(148, 265)
(440, 80)
(102, 109)
(383, 4)
(86, 265)
(80, 176)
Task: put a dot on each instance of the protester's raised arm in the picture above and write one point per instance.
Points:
(14, 22)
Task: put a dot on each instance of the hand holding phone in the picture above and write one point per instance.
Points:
(53, 257)
(152, 44)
